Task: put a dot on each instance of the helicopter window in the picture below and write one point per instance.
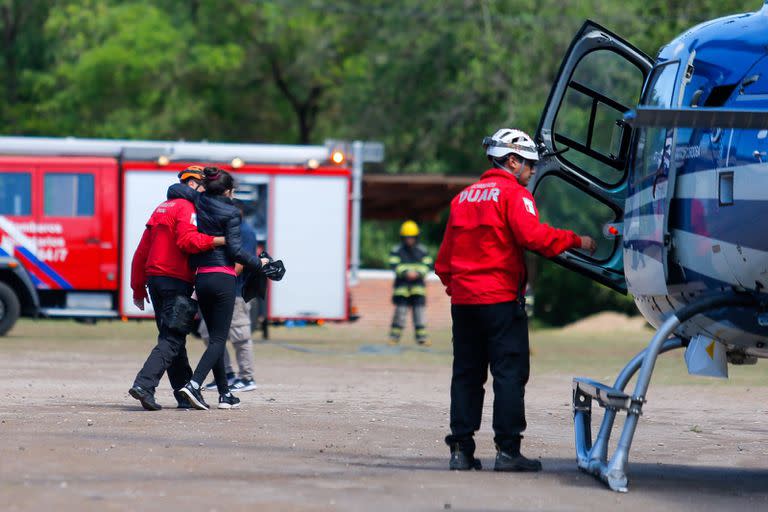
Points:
(603, 86)
(654, 144)
(725, 191)
(563, 205)
(662, 88)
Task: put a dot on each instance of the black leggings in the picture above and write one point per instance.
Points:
(216, 295)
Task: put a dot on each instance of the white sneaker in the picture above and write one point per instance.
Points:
(243, 385)
(212, 385)
(229, 402)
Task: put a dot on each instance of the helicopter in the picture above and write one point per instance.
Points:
(669, 157)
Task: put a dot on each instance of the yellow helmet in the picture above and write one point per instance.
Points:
(409, 228)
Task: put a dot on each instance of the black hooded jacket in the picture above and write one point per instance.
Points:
(217, 216)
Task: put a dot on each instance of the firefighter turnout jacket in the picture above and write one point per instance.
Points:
(171, 234)
(403, 259)
(491, 224)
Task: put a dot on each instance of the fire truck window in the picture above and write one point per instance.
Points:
(69, 195)
(15, 193)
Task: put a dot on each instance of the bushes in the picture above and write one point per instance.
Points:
(563, 296)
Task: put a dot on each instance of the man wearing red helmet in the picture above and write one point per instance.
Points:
(160, 264)
(482, 264)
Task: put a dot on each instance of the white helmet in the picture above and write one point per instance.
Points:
(506, 141)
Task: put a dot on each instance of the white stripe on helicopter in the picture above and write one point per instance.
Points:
(645, 197)
(644, 228)
(750, 182)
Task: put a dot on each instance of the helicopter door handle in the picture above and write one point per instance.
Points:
(613, 230)
(92, 241)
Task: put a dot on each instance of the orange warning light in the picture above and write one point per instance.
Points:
(337, 157)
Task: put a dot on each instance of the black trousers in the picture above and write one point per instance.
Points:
(216, 295)
(483, 335)
(170, 353)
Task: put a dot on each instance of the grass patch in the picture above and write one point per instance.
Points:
(598, 355)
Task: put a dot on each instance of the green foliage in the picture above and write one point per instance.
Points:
(376, 240)
(562, 296)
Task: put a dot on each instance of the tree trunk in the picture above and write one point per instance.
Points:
(306, 109)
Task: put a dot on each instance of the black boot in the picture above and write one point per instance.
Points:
(462, 461)
(515, 462)
(146, 398)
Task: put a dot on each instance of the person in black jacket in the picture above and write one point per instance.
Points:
(215, 281)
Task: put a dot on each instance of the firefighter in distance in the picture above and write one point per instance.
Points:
(411, 263)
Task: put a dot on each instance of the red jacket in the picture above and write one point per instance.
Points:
(492, 223)
(170, 235)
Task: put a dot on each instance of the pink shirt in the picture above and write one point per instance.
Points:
(224, 270)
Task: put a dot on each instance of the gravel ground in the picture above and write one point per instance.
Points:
(325, 432)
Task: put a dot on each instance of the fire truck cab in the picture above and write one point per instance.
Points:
(72, 212)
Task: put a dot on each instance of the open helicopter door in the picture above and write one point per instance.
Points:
(582, 183)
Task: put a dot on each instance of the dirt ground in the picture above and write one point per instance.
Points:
(341, 422)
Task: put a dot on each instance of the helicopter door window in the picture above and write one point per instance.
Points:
(589, 123)
(563, 205)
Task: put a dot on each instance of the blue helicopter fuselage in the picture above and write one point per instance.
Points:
(697, 198)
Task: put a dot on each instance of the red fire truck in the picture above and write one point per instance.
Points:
(72, 212)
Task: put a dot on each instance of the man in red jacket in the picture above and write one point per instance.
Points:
(481, 262)
(160, 264)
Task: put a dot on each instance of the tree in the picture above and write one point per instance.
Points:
(123, 69)
(22, 50)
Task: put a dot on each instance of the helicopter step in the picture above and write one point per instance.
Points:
(592, 455)
(608, 397)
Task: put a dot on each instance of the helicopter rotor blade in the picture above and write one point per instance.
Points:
(697, 118)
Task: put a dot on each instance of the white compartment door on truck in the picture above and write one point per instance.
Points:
(143, 190)
(309, 231)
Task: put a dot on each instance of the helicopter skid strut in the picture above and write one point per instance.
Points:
(593, 457)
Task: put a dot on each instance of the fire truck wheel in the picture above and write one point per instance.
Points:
(9, 308)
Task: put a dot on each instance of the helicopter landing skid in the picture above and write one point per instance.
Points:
(593, 457)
